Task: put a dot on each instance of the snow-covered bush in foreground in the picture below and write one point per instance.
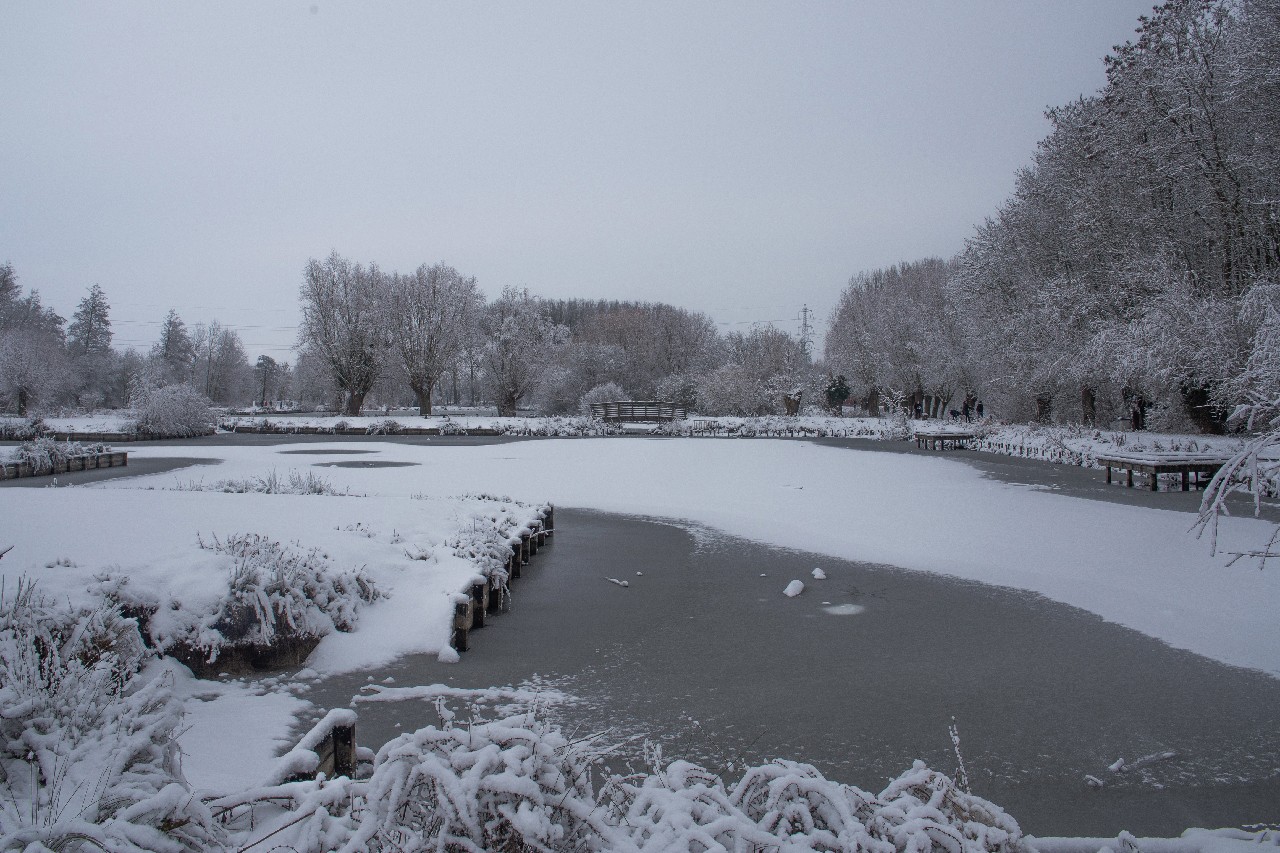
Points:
(174, 411)
(280, 601)
(88, 755)
(519, 784)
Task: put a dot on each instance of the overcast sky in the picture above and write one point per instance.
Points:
(742, 159)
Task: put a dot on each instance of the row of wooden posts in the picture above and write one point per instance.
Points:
(491, 595)
(88, 462)
(334, 740)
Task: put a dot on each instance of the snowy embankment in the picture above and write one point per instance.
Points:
(179, 556)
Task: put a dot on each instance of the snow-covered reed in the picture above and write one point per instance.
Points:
(518, 783)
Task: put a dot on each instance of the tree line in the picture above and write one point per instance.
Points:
(1133, 272)
(432, 332)
(371, 338)
(47, 361)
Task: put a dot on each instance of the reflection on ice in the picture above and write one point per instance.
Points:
(844, 609)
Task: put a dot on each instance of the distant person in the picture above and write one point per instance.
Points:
(967, 410)
(979, 410)
(919, 412)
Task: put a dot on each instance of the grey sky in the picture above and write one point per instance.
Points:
(737, 158)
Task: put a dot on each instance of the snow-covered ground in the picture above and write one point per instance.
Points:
(143, 529)
(1138, 567)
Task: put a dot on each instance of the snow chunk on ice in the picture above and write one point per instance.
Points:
(793, 589)
(819, 575)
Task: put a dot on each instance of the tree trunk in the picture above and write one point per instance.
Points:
(1044, 408)
(873, 403)
(24, 397)
(1088, 407)
(422, 392)
(507, 405)
(354, 402)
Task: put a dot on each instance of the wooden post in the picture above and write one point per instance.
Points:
(1129, 477)
(1108, 475)
(524, 548)
(344, 750)
(1155, 480)
(1186, 480)
(480, 600)
(461, 623)
(551, 519)
(513, 566)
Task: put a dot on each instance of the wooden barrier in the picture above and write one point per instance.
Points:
(492, 596)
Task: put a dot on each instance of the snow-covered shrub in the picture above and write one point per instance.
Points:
(277, 596)
(21, 429)
(451, 427)
(174, 411)
(512, 784)
(386, 426)
(88, 755)
(609, 392)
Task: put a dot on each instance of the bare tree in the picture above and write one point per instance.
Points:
(521, 340)
(433, 311)
(344, 321)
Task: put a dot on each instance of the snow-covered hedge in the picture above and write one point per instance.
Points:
(88, 750)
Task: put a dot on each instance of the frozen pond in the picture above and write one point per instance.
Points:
(861, 673)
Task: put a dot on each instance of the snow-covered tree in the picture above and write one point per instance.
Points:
(89, 346)
(221, 368)
(520, 340)
(175, 350)
(344, 322)
(433, 310)
(33, 361)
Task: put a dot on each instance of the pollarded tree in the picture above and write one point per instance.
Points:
(433, 311)
(344, 321)
(521, 341)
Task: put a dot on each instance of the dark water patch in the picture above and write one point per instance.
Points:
(703, 655)
(325, 452)
(360, 463)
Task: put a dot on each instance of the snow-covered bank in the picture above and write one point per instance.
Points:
(1138, 567)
